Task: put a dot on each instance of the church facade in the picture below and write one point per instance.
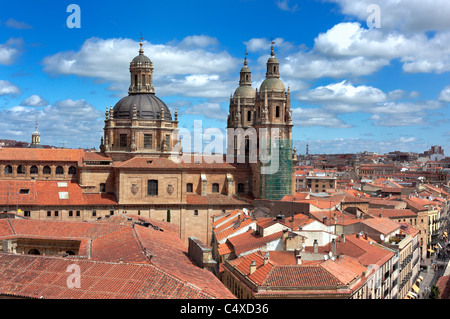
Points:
(134, 171)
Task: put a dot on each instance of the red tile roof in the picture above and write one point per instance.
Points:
(392, 213)
(249, 241)
(41, 154)
(116, 247)
(218, 199)
(50, 193)
(46, 277)
(206, 162)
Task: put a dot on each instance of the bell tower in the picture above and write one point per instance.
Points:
(141, 72)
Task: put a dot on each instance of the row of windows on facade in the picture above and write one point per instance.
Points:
(148, 140)
(249, 114)
(46, 170)
(71, 213)
(152, 188)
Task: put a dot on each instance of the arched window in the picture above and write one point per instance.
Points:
(33, 252)
(20, 169)
(249, 116)
(72, 170)
(8, 169)
(59, 170)
(47, 170)
(33, 169)
(277, 111)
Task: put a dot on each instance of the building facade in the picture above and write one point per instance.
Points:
(136, 170)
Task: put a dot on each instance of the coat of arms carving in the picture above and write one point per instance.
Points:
(170, 189)
(134, 189)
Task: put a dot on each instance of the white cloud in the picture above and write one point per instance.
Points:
(7, 88)
(108, 60)
(316, 117)
(201, 41)
(208, 110)
(285, 6)
(10, 51)
(19, 25)
(406, 15)
(34, 100)
(444, 96)
(74, 123)
(344, 92)
(356, 144)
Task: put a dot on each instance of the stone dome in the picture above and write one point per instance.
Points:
(274, 84)
(141, 59)
(245, 91)
(148, 106)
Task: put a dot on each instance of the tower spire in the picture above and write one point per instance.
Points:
(141, 50)
(272, 42)
(245, 59)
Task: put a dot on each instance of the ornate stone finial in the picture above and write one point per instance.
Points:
(176, 114)
(134, 112)
(245, 59)
(162, 113)
(111, 112)
(141, 50)
(271, 47)
(106, 114)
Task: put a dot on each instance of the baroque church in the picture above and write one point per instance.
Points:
(133, 172)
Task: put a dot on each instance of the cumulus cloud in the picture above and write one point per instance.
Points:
(188, 63)
(10, 50)
(356, 144)
(405, 15)
(316, 117)
(7, 88)
(34, 100)
(208, 110)
(343, 92)
(74, 123)
(201, 41)
(444, 96)
(285, 6)
(19, 25)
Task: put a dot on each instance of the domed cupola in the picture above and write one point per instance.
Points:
(245, 89)
(141, 93)
(141, 71)
(272, 81)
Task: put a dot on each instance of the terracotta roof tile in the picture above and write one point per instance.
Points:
(41, 154)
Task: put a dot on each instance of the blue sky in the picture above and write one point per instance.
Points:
(354, 87)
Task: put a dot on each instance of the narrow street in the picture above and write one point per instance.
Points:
(438, 267)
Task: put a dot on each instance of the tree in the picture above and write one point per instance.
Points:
(434, 293)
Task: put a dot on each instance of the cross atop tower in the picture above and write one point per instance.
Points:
(141, 50)
(271, 47)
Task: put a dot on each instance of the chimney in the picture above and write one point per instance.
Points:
(252, 267)
(298, 257)
(316, 246)
(365, 236)
(266, 258)
(333, 246)
(343, 238)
